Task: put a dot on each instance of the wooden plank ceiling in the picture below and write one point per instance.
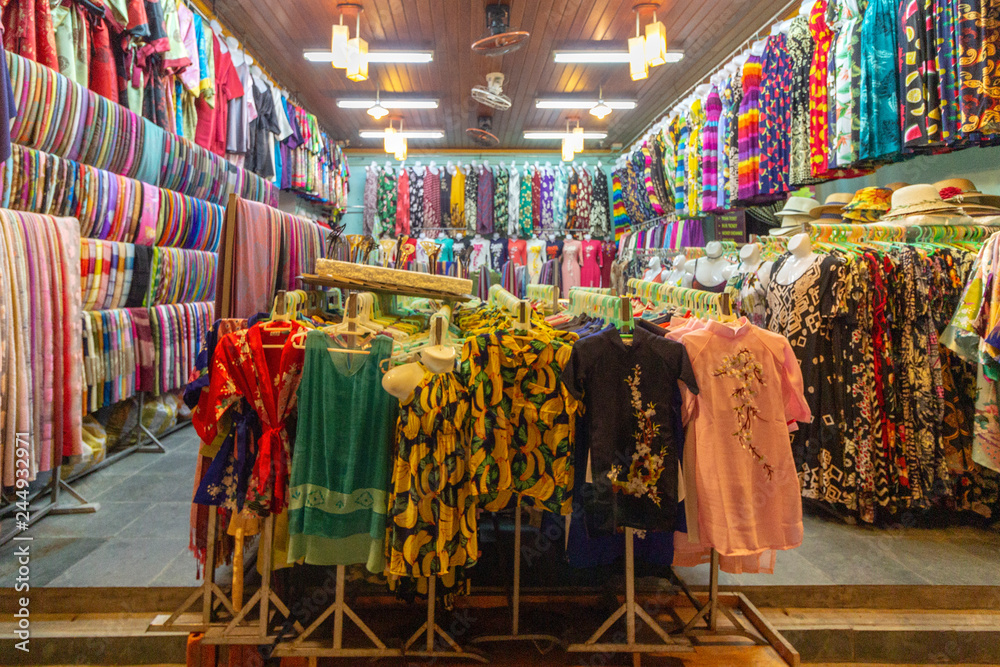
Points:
(278, 31)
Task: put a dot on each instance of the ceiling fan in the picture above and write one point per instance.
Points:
(483, 134)
(500, 39)
(491, 94)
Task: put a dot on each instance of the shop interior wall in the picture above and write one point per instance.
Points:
(359, 159)
(979, 165)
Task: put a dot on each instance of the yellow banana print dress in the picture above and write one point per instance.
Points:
(523, 419)
(432, 506)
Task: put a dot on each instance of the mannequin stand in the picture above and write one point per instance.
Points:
(210, 593)
(431, 630)
(551, 641)
(299, 647)
(630, 610)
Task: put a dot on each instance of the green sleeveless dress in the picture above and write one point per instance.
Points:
(339, 482)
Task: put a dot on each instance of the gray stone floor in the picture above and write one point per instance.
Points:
(140, 538)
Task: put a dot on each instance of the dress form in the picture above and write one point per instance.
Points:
(572, 264)
(654, 271)
(750, 262)
(711, 271)
(677, 276)
(402, 380)
(536, 257)
(802, 258)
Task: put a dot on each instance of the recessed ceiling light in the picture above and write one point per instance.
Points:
(581, 103)
(599, 57)
(555, 135)
(408, 134)
(383, 56)
(388, 104)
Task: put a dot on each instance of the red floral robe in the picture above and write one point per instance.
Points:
(268, 379)
(28, 31)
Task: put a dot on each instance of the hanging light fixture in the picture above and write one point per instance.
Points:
(400, 143)
(577, 138)
(567, 149)
(656, 43)
(637, 64)
(390, 139)
(357, 56)
(377, 111)
(338, 47)
(601, 109)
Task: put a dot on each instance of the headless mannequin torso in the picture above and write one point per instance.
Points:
(710, 272)
(801, 260)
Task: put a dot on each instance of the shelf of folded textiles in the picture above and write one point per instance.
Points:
(376, 286)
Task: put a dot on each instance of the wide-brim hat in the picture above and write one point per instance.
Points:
(962, 191)
(868, 205)
(797, 206)
(834, 203)
(914, 199)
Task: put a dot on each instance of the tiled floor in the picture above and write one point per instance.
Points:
(140, 538)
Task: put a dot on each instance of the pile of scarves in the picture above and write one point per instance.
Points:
(58, 116)
(109, 207)
(263, 250)
(129, 350)
(40, 351)
(181, 276)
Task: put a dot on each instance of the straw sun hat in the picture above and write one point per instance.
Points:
(918, 199)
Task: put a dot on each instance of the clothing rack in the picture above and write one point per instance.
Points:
(547, 294)
(712, 305)
(899, 233)
(520, 309)
(618, 310)
(652, 222)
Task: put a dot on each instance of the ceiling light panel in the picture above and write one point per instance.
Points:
(581, 103)
(597, 57)
(381, 56)
(408, 134)
(388, 103)
(557, 135)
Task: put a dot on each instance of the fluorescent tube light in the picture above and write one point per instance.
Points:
(605, 57)
(547, 134)
(407, 134)
(555, 103)
(388, 104)
(383, 57)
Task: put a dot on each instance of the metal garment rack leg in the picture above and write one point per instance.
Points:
(761, 633)
(515, 636)
(431, 630)
(630, 610)
(299, 648)
(210, 593)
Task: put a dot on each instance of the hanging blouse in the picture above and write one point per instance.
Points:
(818, 102)
(749, 130)
(571, 199)
(432, 198)
(472, 199)
(696, 121)
(776, 116)
(371, 196)
(549, 187)
(526, 206)
(385, 205)
(403, 202)
(484, 202)
(584, 199)
(417, 199)
(514, 202)
(523, 420)
(600, 210)
(733, 138)
(918, 71)
(458, 199)
(501, 208)
(845, 78)
(880, 114)
(432, 503)
(800, 48)
(536, 199)
(979, 43)
(710, 151)
(560, 193)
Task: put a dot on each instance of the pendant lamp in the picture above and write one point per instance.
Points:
(578, 138)
(601, 110)
(637, 64)
(341, 35)
(357, 56)
(390, 139)
(377, 111)
(401, 148)
(567, 149)
(656, 43)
